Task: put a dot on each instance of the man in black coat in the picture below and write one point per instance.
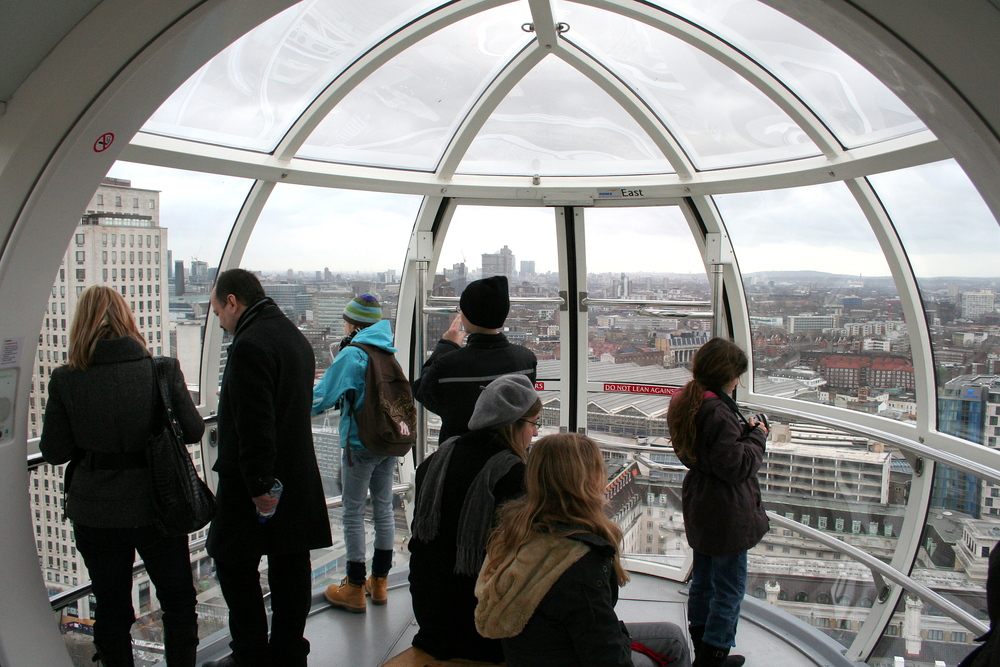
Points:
(265, 435)
(453, 376)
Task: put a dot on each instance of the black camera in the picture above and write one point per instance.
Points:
(762, 419)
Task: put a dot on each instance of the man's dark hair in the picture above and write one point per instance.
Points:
(241, 284)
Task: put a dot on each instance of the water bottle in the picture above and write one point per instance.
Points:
(275, 492)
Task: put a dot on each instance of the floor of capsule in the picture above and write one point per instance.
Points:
(339, 638)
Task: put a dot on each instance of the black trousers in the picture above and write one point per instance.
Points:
(109, 554)
(289, 577)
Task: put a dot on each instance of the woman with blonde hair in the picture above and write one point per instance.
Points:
(550, 582)
(459, 488)
(723, 515)
(102, 407)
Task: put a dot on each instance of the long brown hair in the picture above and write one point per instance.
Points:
(716, 363)
(564, 484)
(101, 312)
(508, 432)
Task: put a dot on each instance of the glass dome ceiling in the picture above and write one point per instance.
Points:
(526, 88)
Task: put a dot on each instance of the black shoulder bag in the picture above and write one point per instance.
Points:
(182, 502)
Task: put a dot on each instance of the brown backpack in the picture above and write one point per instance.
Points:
(387, 423)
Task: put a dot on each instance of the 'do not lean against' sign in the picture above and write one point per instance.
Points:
(653, 389)
(656, 390)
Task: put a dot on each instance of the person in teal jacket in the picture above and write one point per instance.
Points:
(343, 386)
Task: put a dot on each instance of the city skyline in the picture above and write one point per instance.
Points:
(323, 227)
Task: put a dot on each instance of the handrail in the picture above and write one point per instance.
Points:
(525, 300)
(878, 568)
(950, 609)
(65, 598)
(449, 304)
(588, 301)
(35, 460)
(902, 442)
(685, 314)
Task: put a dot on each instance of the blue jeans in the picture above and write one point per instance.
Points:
(718, 584)
(369, 473)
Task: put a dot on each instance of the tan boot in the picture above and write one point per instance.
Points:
(377, 588)
(347, 596)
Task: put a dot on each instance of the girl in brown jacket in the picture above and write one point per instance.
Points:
(723, 516)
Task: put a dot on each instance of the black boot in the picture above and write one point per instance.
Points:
(713, 656)
(696, 631)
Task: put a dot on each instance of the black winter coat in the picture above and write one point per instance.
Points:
(265, 432)
(988, 653)
(109, 409)
(575, 624)
(453, 377)
(723, 514)
(444, 603)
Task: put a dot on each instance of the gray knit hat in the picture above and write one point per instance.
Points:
(504, 401)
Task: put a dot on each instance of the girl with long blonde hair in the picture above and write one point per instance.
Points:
(537, 588)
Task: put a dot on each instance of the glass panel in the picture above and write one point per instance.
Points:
(198, 214)
(956, 275)
(856, 106)
(483, 241)
(557, 122)
(626, 251)
(405, 113)
(812, 582)
(317, 248)
(922, 634)
(650, 512)
(628, 418)
(956, 272)
(824, 310)
(720, 118)
(644, 488)
(843, 485)
(952, 561)
(251, 93)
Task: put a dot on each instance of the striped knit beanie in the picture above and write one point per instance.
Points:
(363, 310)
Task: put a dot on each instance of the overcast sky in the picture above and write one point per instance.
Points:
(941, 219)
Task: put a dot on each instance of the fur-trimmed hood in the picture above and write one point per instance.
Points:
(509, 596)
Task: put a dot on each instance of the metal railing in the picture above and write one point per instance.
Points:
(880, 570)
(67, 597)
(449, 304)
(588, 301)
(906, 444)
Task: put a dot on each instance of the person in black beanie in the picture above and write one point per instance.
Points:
(453, 376)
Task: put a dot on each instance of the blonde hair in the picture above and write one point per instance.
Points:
(564, 483)
(508, 432)
(101, 312)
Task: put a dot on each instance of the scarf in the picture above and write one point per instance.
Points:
(476, 519)
(251, 313)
